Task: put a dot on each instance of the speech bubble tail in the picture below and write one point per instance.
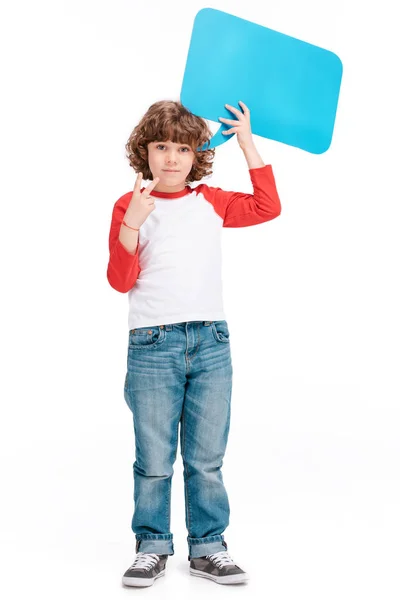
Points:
(217, 139)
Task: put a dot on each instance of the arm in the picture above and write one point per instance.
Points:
(242, 210)
(123, 266)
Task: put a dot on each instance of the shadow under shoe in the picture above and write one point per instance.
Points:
(219, 567)
(145, 569)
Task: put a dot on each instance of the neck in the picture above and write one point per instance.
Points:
(170, 189)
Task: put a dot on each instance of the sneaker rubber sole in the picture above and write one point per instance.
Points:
(237, 578)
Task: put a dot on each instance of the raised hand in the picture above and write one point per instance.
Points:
(241, 125)
(141, 204)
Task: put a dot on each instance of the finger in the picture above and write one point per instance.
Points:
(152, 184)
(234, 110)
(138, 182)
(228, 121)
(233, 130)
(245, 108)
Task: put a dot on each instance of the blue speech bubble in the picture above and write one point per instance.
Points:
(290, 86)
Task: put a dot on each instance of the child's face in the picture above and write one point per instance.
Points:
(171, 163)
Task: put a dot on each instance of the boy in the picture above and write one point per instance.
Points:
(165, 252)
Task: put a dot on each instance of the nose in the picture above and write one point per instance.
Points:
(171, 159)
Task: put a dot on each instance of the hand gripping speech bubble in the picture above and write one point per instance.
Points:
(290, 86)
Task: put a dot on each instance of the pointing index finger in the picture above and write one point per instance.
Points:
(138, 182)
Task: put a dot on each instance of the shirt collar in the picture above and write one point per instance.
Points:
(171, 195)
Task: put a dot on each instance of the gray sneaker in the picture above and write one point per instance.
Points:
(219, 567)
(146, 568)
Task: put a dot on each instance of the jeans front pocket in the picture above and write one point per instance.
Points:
(142, 338)
(220, 331)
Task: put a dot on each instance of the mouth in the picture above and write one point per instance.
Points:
(170, 171)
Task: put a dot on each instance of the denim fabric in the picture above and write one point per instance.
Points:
(180, 373)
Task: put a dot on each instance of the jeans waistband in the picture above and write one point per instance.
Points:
(170, 326)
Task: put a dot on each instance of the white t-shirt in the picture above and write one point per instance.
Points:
(175, 274)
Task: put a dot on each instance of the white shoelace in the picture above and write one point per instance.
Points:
(145, 560)
(221, 558)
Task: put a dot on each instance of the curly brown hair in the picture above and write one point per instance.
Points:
(170, 120)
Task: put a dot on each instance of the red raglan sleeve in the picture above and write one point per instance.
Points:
(123, 268)
(243, 210)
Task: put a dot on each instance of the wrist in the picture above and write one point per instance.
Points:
(132, 227)
(247, 145)
(130, 221)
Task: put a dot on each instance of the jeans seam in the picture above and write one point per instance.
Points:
(185, 472)
(175, 443)
(167, 504)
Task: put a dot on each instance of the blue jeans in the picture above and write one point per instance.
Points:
(180, 373)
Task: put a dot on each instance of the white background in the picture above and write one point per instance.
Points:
(312, 465)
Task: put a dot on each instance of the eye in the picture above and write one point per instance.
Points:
(163, 146)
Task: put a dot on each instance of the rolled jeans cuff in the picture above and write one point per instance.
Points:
(208, 545)
(158, 543)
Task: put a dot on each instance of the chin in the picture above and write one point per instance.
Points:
(172, 178)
